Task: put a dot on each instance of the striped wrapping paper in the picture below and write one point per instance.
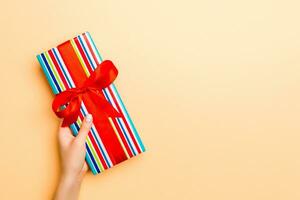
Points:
(99, 150)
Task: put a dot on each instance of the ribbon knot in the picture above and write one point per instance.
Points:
(67, 104)
(83, 90)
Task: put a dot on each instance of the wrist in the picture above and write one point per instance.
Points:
(71, 180)
(68, 187)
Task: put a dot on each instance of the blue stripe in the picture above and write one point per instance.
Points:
(56, 89)
(50, 80)
(110, 101)
(90, 163)
(102, 151)
(51, 73)
(87, 156)
(75, 132)
(120, 100)
(62, 68)
(93, 131)
(86, 53)
(74, 129)
(130, 121)
(91, 156)
(105, 158)
(88, 150)
(106, 96)
(128, 141)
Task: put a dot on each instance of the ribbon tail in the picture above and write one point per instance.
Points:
(67, 105)
(70, 119)
(105, 107)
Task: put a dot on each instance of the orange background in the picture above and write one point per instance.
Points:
(212, 86)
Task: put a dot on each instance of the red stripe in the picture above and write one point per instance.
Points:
(90, 71)
(78, 44)
(95, 145)
(72, 63)
(124, 119)
(90, 48)
(58, 69)
(82, 54)
(106, 132)
(120, 133)
(81, 116)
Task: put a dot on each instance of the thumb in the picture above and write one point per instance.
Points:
(85, 128)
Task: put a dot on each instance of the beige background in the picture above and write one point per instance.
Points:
(212, 86)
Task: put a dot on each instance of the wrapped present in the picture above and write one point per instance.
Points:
(83, 83)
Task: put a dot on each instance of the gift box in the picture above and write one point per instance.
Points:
(112, 139)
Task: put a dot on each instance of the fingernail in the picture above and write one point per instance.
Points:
(88, 118)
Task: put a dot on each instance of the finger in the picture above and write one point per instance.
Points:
(65, 135)
(85, 128)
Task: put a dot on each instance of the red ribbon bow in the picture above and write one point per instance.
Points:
(71, 99)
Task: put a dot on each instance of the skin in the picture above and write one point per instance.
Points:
(74, 167)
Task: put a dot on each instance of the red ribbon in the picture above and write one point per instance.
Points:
(70, 100)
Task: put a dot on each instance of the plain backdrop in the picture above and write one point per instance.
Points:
(212, 86)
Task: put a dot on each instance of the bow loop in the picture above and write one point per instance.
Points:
(103, 76)
(67, 103)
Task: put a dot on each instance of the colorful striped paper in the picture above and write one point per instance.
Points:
(98, 156)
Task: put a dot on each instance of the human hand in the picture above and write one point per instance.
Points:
(72, 154)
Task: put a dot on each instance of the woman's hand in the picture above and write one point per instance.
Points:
(72, 153)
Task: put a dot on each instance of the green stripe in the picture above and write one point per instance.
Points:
(120, 100)
(92, 148)
(79, 57)
(95, 156)
(57, 77)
